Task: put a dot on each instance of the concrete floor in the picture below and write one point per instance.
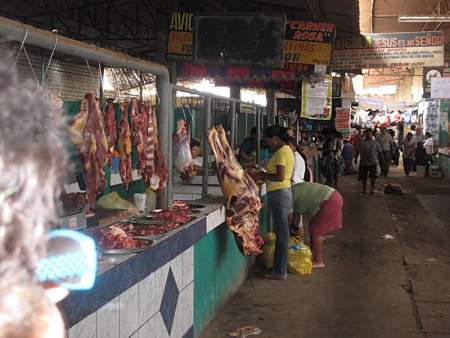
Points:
(370, 287)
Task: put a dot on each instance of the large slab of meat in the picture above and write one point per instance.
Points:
(110, 128)
(88, 134)
(182, 157)
(241, 193)
(158, 180)
(125, 169)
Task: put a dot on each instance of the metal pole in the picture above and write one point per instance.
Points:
(233, 124)
(246, 124)
(15, 31)
(206, 149)
(258, 135)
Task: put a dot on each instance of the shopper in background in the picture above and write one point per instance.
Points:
(278, 176)
(197, 160)
(32, 164)
(308, 151)
(247, 150)
(369, 153)
(396, 153)
(298, 175)
(388, 147)
(429, 147)
(347, 155)
(409, 151)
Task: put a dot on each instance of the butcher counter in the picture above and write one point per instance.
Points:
(173, 289)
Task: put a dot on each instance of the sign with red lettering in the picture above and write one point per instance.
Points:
(342, 122)
(386, 50)
(180, 38)
(308, 42)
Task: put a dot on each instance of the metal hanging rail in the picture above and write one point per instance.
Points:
(17, 31)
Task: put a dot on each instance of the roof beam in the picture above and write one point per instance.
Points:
(314, 7)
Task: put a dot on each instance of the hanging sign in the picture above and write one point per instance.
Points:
(308, 42)
(430, 73)
(386, 50)
(180, 38)
(317, 99)
(440, 88)
(342, 122)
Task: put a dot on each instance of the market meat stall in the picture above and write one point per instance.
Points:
(160, 272)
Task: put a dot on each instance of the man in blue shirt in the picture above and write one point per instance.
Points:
(247, 150)
(347, 154)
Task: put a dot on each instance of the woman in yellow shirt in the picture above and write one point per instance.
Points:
(278, 175)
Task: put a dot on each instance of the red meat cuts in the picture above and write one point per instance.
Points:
(150, 143)
(139, 130)
(159, 179)
(92, 147)
(174, 215)
(125, 169)
(110, 128)
(241, 193)
(113, 237)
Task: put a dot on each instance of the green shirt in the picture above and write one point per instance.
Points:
(309, 196)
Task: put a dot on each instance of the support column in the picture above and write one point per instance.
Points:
(271, 104)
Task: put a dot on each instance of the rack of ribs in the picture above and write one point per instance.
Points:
(241, 192)
(125, 169)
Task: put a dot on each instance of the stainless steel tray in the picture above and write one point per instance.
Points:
(128, 251)
(196, 206)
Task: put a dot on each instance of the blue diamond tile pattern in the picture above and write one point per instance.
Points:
(169, 301)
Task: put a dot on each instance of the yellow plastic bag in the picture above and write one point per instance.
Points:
(114, 201)
(269, 249)
(299, 258)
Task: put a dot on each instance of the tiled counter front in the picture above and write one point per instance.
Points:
(148, 295)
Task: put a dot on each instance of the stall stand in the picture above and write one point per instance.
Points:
(175, 287)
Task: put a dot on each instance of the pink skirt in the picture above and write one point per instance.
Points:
(328, 218)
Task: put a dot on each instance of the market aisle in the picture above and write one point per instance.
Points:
(365, 289)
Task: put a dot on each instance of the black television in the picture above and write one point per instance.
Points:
(241, 39)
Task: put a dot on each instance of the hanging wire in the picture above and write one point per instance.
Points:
(89, 68)
(21, 46)
(49, 60)
(31, 66)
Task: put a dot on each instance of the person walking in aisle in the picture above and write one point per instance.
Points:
(409, 151)
(429, 147)
(388, 147)
(347, 154)
(369, 151)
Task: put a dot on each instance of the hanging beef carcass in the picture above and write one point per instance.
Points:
(125, 170)
(160, 176)
(110, 128)
(88, 134)
(241, 193)
(182, 158)
(139, 130)
(150, 143)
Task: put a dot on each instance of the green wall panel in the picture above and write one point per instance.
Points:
(219, 271)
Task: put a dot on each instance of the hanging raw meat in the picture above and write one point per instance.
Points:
(110, 128)
(241, 193)
(149, 167)
(139, 130)
(88, 134)
(182, 157)
(160, 177)
(125, 170)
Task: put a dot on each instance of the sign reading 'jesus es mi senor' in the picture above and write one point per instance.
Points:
(385, 50)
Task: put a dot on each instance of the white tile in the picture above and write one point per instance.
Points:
(148, 305)
(187, 303)
(161, 278)
(177, 269)
(108, 320)
(215, 219)
(148, 329)
(160, 327)
(129, 311)
(188, 266)
(87, 328)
